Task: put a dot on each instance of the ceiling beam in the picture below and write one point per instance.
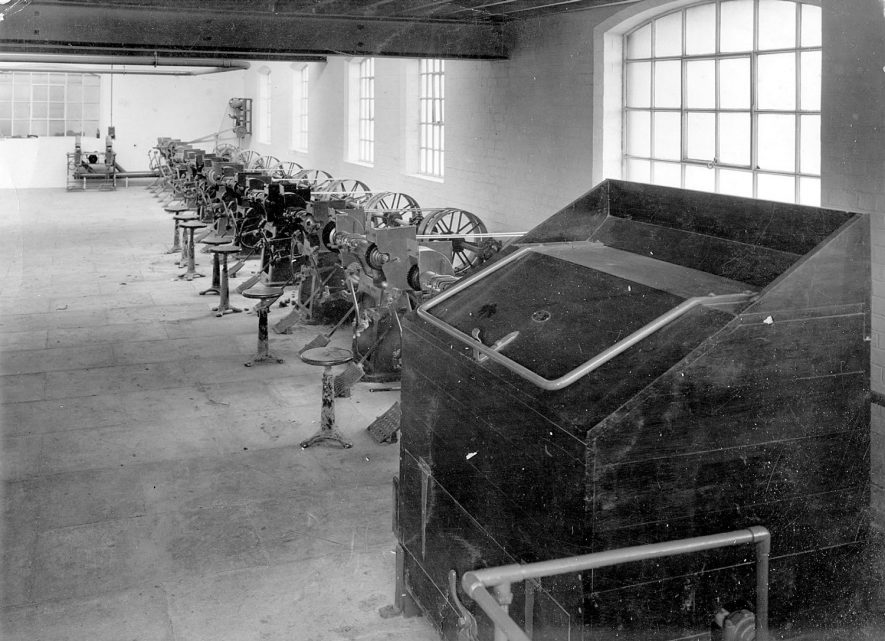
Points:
(55, 27)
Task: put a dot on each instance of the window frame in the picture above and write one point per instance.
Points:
(648, 17)
(431, 117)
(23, 92)
(265, 109)
(300, 124)
(365, 139)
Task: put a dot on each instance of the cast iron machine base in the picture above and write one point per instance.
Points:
(327, 357)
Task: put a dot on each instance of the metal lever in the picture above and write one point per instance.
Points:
(500, 344)
(467, 628)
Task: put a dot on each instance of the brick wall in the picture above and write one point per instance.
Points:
(853, 167)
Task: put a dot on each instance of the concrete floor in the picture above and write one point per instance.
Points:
(153, 487)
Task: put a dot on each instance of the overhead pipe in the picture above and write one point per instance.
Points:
(214, 65)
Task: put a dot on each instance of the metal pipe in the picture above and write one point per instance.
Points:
(153, 61)
(588, 366)
(123, 72)
(474, 583)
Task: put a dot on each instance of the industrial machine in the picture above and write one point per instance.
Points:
(96, 167)
(648, 364)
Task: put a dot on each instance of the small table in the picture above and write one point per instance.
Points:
(189, 226)
(269, 294)
(327, 357)
(224, 306)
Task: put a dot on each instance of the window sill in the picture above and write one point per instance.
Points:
(429, 178)
(361, 163)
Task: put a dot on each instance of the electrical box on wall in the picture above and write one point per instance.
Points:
(241, 112)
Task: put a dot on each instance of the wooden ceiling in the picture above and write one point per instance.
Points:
(273, 29)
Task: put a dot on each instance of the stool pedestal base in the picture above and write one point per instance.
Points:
(327, 431)
(263, 355)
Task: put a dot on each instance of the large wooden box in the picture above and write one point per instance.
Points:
(750, 412)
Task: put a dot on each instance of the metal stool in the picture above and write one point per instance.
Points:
(179, 218)
(215, 287)
(327, 357)
(263, 293)
(189, 226)
(224, 306)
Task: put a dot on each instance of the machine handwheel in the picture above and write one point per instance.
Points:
(313, 176)
(343, 187)
(456, 221)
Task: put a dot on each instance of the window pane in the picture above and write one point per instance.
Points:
(809, 148)
(5, 127)
(700, 178)
(811, 26)
(56, 110)
(668, 174)
(736, 25)
(75, 112)
(5, 90)
(700, 84)
(776, 87)
(57, 94)
(638, 170)
(38, 127)
(21, 110)
(700, 133)
(91, 112)
(668, 135)
(56, 127)
(777, 142)
(75, 93)
(810, 81)
(668, 84)
(39, 110)
(809, 191)
(734, 138)
(639, 133)
(639, 84)
(6, 110)
(734, 84)
(41, 92)
(668, 35)
(772, 187)
(777, 24)
(639, 43)
(736, 183)
(700, 29)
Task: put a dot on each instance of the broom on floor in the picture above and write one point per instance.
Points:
(321, 340)
(354, 372)
(383, 429)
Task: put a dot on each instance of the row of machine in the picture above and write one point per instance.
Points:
(341, 248)
(647, 367)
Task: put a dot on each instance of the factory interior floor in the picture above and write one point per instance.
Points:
(154, 487)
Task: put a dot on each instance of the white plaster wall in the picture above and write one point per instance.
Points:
(853, 167)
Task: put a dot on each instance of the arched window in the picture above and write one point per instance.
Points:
(724, 96)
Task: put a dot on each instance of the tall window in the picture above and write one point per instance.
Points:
(299, 108)
(366, 142)
(264, 110)
(49, 104)
(431, 122)
(725, 96)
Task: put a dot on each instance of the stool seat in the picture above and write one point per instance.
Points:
(262, 291)
(212, 239)
(192, 224)
(229, 248)
(327, 356)
(176, 208)
(183, 216)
